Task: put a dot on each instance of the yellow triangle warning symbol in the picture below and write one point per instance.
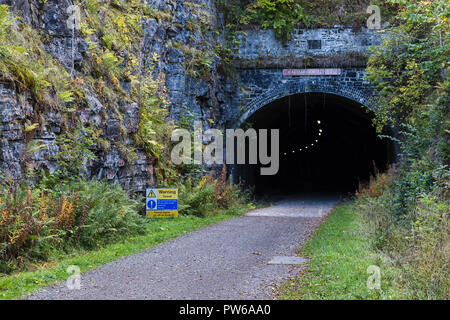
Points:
(151, 194)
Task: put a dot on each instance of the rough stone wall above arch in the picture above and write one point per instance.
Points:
(338, 46)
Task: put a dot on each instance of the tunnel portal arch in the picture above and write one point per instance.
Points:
(328, 86)
(346, 116)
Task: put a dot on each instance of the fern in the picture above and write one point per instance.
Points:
(66, 96)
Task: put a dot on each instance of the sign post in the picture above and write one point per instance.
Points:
(162, 203)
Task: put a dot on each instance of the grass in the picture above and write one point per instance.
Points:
(340, 253)
(19, 284)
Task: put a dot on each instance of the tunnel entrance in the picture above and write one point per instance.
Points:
(327, 144)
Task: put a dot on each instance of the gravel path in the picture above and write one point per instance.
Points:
(227, 260)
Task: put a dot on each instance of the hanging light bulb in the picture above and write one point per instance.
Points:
(318, 121)
(317, 140)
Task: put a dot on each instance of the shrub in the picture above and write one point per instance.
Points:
(377, 185)
(211, 196)
(19, 227)
(281, 15)
(197, 200)
(111, 215)
(428, 251)
(418, 238)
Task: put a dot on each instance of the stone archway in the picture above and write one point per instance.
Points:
(346, 153)
(328, 86)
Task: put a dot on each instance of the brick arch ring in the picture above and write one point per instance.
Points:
(362, 96)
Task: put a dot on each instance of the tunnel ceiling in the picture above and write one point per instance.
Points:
(333, 155)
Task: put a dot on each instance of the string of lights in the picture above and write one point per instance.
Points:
(308, 146)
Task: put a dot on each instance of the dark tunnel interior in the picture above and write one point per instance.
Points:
(327, 144)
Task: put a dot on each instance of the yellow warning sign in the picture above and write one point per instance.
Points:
(167, 193)
(151, 194)
(162, 214)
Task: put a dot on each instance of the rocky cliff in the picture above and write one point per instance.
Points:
(185, 36)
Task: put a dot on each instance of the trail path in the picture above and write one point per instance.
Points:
(228, 260)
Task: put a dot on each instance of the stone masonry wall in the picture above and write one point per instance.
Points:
(259, 87)
(307, 43)
(262, 58)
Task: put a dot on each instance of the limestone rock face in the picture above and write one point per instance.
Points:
(188, 95)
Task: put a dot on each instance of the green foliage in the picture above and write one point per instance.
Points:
(116, 58)
(75, 150)
(409, 217)
(327, 13)
(57, 216)
(19, 231)
(159, 15)
(197, 200)
(112, 214)
(6, 21)
(412, 62)
(285, 15)
(154, 131)
(24, 61)
(17, 284)
(198, 63)
(37, 221)
(280, 15)
(211, 196)
(409, 71)
(114, 33)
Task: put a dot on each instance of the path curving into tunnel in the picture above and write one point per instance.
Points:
(327, 144)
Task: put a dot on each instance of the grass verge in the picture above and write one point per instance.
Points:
(340, 254)
(21, 283)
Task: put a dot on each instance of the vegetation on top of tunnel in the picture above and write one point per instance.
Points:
(284, 16)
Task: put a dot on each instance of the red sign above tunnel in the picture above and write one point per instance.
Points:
(311, 72)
